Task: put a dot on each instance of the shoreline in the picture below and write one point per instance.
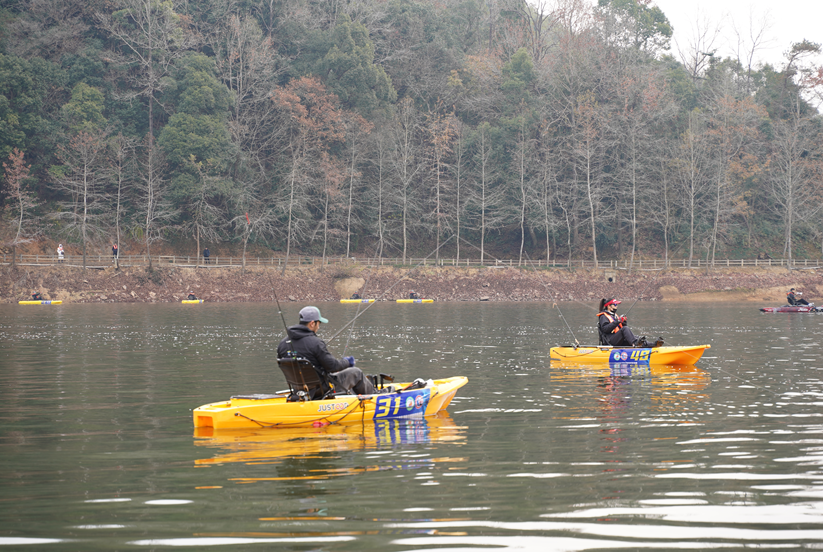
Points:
(443, 284)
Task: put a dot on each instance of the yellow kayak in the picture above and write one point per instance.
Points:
(44, 302)
(606, 354)
(415, 300)
(191, 301)
(357, 300)
(259, 445)
(273, 411)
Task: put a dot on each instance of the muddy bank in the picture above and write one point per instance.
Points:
(171, 284)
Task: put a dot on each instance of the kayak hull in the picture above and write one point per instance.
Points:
(791, 308)
(358, 301)
(44, 302)
(191, 301)
(605, 354)
(415, 301)
(273, 411)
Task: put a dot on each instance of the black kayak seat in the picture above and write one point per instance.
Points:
(306, 382)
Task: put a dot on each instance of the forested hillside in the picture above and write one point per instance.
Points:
(392, 127)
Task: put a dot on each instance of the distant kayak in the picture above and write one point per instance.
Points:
(44, 302)
(415, 300)
(606, 354)
(792, 308)
(191, 301)
(357, 301)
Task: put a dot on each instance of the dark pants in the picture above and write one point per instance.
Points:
(623, 337)
(354, 379)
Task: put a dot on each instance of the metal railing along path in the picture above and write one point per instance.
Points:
(101, 261)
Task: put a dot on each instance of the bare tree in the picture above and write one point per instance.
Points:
(22, 202)
(457, 176)
(357, 129)
(407, 162)
(121, 150)
(697, 54)
(85, 172)
(257, 216)
(314, 124)
(379, 190)
(749, 42)
(440, 133)
(207, 212)
(524, 188)
(692, 160)
(588, 158)
(151, 39)
(486, 198)
(794, 174)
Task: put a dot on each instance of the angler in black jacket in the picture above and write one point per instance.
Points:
(302, 341)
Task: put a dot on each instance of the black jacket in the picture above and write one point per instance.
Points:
(303, 342)
(609, 322)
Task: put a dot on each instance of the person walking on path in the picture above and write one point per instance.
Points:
(206, 254)
(60, 253)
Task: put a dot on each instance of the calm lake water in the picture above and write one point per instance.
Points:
(98, 452)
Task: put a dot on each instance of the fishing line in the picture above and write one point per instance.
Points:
(389, 289)
(378, 252)
(749, 382)
(644, 290)
(554, 303)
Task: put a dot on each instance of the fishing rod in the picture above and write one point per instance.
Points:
(554, 303)
(377, 253)
(644, 290)
(279, 309)
(389, 289)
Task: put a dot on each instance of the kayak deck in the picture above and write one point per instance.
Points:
(271, 411)
(191, 301)
(606, 354)
(415, 300)
(357, 300)
(43, 302)
(792, 308)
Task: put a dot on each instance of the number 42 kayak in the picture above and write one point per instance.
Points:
(605, 354)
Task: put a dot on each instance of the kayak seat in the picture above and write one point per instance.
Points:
(602, 336)
(306, 383)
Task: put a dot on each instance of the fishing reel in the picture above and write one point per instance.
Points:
(382, 377)
(300, 396)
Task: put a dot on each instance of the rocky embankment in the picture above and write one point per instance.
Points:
(214, 284)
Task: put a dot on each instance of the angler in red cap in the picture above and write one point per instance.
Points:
(614, 330)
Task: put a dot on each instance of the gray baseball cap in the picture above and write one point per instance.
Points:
(309, 314)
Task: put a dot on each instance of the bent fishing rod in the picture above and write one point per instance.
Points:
(350, 322)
